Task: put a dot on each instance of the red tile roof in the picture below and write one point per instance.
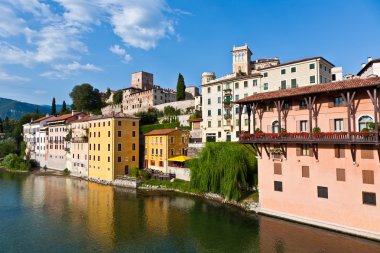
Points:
(312, 89)
(42, 119)
(64, 117)
(161, 132)
(82, 119)
(297, 61)
(112, 115)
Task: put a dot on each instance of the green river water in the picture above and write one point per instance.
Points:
(52, 213)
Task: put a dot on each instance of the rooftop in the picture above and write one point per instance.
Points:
(298, 61)
(160, 132)
(118, 115)
(368, 65)
(313, 89)
(64, 117)
(42, 119)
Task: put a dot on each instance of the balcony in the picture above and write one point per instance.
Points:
(227, 104)
(227, 91)
(83, 139)
(315, 138)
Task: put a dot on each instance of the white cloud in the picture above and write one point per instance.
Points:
(116, 49)
(127, 58)
(64, 71)
(12, 78)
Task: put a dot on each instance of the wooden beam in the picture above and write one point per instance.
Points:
(353, 152)
(284, 149)
(240, 109)
(266, 149)
(315, 151)
(249, 117)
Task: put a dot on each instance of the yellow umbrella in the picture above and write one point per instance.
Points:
(180, 158)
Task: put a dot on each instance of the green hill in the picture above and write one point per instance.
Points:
(14, 109)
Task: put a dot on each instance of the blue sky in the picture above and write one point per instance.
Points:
(48, 46)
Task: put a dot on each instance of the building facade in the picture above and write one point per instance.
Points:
(318, 155)
(370, 69)
(161, 145)
(113, 146)
(220, 115)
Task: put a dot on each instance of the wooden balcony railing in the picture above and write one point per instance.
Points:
(328, 138)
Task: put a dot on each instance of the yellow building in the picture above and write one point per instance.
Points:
(161, 145)
(113, 145)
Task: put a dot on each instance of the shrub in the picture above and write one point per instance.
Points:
(316, 130)
(117, 97)
(134, 172)
(34, 164)
(66, 171)
(14, 162)
(365, 130)
(258, 131)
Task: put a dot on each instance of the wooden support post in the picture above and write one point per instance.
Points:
(279, 105)
(248, 106)
(266, 150)
(240, 109)
(376, 110)
(310, 101)
(348, 98)
(260, 112)
(254, 117)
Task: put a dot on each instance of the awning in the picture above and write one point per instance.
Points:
(180, 158)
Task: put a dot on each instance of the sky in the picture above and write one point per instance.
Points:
(49, 46)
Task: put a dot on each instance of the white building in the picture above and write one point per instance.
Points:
(370, 69)
(220, 114)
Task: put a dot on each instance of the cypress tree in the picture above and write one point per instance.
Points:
(37, 110)
(64, 108)
(53, 107)
(1, 126)
(180, 88)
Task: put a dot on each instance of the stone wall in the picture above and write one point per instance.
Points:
(183, 105)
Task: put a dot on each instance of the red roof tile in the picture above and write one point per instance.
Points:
(64, 117)
(82, 119)
(42, 119)
(161, 132)
(312, 89)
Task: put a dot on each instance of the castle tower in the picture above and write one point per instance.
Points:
(207, 77)
(241, 60)
(142, 80)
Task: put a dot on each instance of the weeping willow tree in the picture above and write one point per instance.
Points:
(223, 168)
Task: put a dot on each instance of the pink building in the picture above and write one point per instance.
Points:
(318, 154)
(57, 145)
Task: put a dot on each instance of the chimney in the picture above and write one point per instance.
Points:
(73, 112)
(363, 65)
(369, 58)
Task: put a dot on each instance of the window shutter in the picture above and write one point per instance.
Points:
(366, 152)
(345, 125)
(305, 171)
(368, 177)
(337, 153)
(342, 151)
(298, 126)
(298, 150)
(332, 127)
(277, 168)
(311, 153)
(340, 175)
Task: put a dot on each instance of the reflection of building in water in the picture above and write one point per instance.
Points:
(157, 214)
(33, 191)
(285, 237)
(100, 213)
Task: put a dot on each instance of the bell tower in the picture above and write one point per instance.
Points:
(241, 60)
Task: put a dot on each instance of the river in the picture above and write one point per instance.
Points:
(52, 213)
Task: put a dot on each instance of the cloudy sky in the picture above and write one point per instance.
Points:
(48, 46)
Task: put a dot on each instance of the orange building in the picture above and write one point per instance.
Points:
(161, 145)
(318, 150)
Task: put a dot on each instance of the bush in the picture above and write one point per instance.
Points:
(14, 162)
(34, 164)
(7, 147)
(316, 130)
(117, 97)
(134, 172)
(66, 171)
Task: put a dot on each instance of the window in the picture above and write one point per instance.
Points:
(312, 79)
(277, 167)
(245, 84)
(236, 85)
(245, 95)
(303, 125)
(99, 147)
(209, 123)
(365, 122)
(303, 104)
(303, 150)
(109, 147)
(119, 159)
(254, 82)
(133, 133)
(333, 77)
(218, 87)
(219, 123)
(338, 101)
(265, 86)
(209, 113)
(171, 152)
(161, 152)
(338, 125)
(98, 134)
(321, 66)
(119, 147)
(283, 84)
(236, 97)
(109, 159)
(305, 171)
(266, 74)
(278, 186)
(118, 133)
(323, 192)
(219, 112)
(119, 123)
(369, 198)
(171, 139)
(133, 146)
(209, 101)
(133, 123)
(209, 90)
(98, 158)
(219, 100)
(320, 79)
(219, 134)
(275, 127)
(294, 83)
(368, 177)
(293, 69)
(283, 71)
(245, 122)
(109, 133)
(311, 66)
(341, 175)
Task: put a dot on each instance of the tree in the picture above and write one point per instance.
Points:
(6, 125)
(108, 93)
(38, 109)
(117, 97)
(7, 147)
(86, 98)
(53, 107)
(180, 88)
(1, 126)
(63, 109)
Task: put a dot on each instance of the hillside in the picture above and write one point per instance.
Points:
(14, 109)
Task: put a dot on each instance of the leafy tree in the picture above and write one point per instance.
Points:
(7, 146)
(108, 93)
(180, 88)
(6, 125)
(118, 97)
(223, 168)
(53, 107)
(171, 111)
(149, 117)
(14, 162)
(86, 98)
(64, 109)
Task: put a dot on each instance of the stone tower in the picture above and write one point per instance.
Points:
(142, 80)
(241, 60)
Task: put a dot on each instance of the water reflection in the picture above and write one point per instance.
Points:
(60, 214)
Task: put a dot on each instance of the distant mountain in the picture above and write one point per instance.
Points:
(15, 109)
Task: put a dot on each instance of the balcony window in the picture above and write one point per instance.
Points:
(338, 125)
(365, 122)
(303, 125)
(275, 127)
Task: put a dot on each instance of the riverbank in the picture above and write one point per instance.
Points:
(14, 171)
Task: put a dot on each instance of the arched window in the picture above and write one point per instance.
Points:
(364, 122)
(275, 127)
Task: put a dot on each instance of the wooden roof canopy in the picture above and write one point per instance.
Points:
(352, 84)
